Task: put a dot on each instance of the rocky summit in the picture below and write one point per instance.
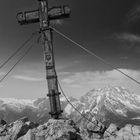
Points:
(64, 129)
(23, 129)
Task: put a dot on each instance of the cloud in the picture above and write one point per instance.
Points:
(28, 78)
(129, 42)
(134, 14)
(63, 73)
(82, 82)
(128, 37)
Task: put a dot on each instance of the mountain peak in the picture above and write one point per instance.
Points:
(118, 100)
(110, 91)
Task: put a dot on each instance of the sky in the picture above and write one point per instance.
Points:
(109, 28)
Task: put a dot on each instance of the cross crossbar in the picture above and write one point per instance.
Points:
(54, 13)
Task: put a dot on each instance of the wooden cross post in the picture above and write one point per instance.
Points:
(44, 15)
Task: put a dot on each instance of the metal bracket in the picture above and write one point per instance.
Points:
(53, 94)
(51, 77)
(56, 113)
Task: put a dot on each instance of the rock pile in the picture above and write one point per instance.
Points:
(54, 130)
(23, 129)
(16, 129)
(129, 132)
(95, 129)
(63, 129)
(113, 132)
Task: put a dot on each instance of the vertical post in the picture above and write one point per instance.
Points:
(47, 37)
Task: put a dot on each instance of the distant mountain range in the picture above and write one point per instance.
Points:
(109, 105)
(35, 110)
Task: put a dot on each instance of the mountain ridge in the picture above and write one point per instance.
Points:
(103, 104)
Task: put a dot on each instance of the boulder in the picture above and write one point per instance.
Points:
(111, 130)
(16, 129)
(29, 136)
(57, 130)
(127, 135)
(95, 129)
(3, 130)
(3, 126)
(128, 128)
(19, 128)
(136, 130)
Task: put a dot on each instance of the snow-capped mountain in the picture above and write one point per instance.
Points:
(116, 99)
(15, 104)
(112, 105)
(109, 105)
(13, 109)
(35, 110)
